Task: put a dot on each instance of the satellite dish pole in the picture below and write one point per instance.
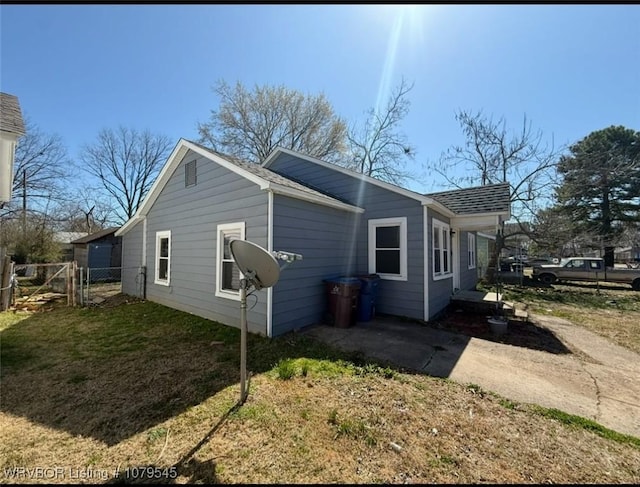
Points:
(260, 269)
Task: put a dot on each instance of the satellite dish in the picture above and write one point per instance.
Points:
(259, 267)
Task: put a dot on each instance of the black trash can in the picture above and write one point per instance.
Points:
(342, 300)
(368, 295)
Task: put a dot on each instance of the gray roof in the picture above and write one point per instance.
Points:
(272, 176)
(479, 199)
(10, 114)
(95, 235)
(67, 237)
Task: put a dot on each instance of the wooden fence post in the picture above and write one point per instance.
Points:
(5, 282)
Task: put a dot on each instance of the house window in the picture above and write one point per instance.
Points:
(163, 258)
(190, 174)
(388, 248)
(227, 272)
(441, 235)
(472, 250)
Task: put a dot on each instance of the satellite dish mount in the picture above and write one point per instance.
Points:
(260, 270)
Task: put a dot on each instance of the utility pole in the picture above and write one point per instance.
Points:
(24, 203)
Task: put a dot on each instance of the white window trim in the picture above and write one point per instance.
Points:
(224, 293)
(471, 250)
(157, 280)
(387, 222)
(437, 225)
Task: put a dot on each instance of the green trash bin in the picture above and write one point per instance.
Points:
(342, 301)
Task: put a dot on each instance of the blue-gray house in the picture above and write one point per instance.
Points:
(175, 248)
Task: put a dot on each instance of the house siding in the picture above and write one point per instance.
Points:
(440, 290)
(192, 214)
(400, 298)
(468, 277)
(132, 260)
(322, 236)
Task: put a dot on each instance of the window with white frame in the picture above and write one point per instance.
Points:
(441, 243)
(471, 250)
(227, 272)
(163, 257)
(388, 248)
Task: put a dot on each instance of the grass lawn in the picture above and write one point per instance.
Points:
(150, 393)
(610, 310)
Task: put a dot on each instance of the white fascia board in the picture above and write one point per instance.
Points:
(485, 235)
(302, 195)
(175, 158)
(478, 221)
(263, 183)
(388, 186)
(131, 222)
(439, 207)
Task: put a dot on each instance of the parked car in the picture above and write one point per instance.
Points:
(585, 269)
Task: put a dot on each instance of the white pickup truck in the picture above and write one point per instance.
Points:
(585, 269)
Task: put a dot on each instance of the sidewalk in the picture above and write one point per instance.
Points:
(601, 383)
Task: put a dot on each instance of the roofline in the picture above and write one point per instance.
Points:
(96, 235)
(486, 235)
(176, 156)
(301, 195)
(425, 200)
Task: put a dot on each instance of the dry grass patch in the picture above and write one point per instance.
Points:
(150, 392)
(608, 310)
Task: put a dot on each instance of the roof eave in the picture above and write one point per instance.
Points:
(301, 195)
(377, 182)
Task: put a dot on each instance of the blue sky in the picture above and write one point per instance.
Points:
(572, 69)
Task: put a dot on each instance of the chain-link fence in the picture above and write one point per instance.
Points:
(99, 283)
(32, 285)
(37, 284)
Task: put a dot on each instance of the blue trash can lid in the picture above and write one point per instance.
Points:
(343, 280)
(369, 277)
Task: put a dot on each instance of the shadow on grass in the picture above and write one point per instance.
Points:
(114, 371)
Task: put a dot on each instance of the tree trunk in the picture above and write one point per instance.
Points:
(609, 256)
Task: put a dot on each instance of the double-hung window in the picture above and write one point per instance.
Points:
(471, 250)
(388, 248)
(163, 258)
(441, 243)
(227, 272)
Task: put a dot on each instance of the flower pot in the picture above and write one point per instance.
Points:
(498, 325)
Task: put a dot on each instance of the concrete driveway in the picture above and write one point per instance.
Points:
(600, 382)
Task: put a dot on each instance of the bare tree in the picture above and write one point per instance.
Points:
(89, 212)
(378, 149)
(125, 162)
(251, 124)
(41, 170)
(492, 155)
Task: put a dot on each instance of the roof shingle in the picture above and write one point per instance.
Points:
(95, 235)
(11, 115)
(479, 199)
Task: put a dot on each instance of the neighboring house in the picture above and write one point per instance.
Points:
(343, 223)
(627, 254)
(11, 129)
(64, 239)
(99, 250)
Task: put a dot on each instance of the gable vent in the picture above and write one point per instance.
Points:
(190, 174)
